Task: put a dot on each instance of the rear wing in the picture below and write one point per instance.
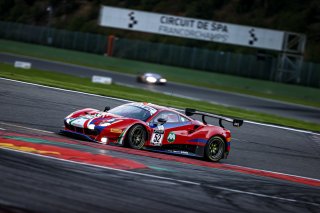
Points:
(235, 122)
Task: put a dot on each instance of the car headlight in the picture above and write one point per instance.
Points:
(104, 140)
(91, 126)
(162, 80)
(151, 79)
(68, 120)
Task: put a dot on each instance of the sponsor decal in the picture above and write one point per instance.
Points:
(157, 136)
(186, 27)
(253, 38)
(113, 130)
(121, 137)
(190, 33)
(171, 137)
(132, 20)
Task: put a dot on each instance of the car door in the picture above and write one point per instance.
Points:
(174, 131)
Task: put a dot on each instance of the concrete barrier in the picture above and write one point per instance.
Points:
(22, 64)
(101, 79)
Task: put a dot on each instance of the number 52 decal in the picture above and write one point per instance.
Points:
(157, 136)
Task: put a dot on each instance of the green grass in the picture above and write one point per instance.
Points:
(85, 85)
(265, 89)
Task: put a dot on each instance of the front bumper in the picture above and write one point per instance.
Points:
(76, 135)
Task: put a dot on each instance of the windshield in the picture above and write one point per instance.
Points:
(153, 75)
(133, 111)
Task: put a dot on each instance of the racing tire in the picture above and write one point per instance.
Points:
(139, 79)
(136, 137)
(215, 149)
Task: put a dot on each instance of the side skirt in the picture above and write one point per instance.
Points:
(194, 151)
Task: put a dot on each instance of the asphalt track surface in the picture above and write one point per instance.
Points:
(299, 112)
(30, 183)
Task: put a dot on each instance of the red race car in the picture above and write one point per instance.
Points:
(153, 127)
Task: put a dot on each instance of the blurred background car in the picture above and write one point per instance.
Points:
(151, 78)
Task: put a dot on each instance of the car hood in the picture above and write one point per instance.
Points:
(101, 119)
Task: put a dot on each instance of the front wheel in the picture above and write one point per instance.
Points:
(215, 149)
(136, 137)
(139, 79)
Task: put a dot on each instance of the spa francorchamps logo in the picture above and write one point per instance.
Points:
(132, 20)
(253, 37)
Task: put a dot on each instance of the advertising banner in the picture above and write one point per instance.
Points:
(191, 28)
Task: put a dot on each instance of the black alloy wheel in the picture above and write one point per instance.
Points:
(136, 137)
(215, 149)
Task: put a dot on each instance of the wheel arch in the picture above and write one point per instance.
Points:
(125, 134)
(218, 131)
(227, 144)
(224, 140)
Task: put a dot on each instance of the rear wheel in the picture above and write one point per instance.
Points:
(136, 137)
(215, 149)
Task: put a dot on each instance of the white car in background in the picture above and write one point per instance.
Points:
(151, 78)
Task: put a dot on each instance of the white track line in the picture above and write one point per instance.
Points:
(105, 167)
(263, 195)
(66, 90)
(23, 127)
(243, 167)
(128, 101)
(168, 179)
(282, 127)
(177, 83)
(155, 176)
(65, 63)
(276, 173)
(39, 130)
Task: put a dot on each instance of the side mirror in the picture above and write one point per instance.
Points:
(161, 121)
(106, 109)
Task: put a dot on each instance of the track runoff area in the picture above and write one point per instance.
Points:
(132, 164)
(223, 166)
